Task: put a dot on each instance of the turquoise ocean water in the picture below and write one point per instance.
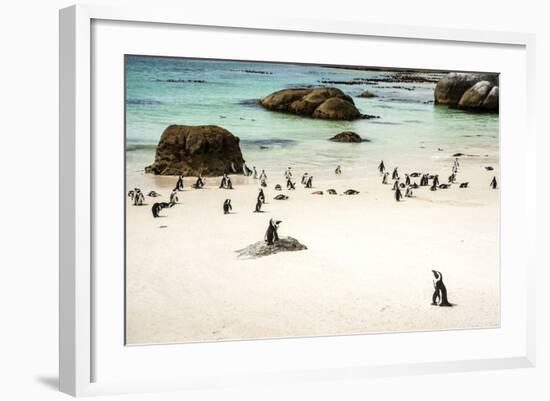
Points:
(164, 91)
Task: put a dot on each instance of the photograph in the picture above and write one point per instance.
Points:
(272, 200)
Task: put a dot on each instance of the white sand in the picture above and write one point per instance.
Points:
(367, 269)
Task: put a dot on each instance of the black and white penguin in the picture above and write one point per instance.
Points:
(158, 206)
(179, 183)
(254, 173)
(271, 235)
(263, 175)
(395, 185)
(444, 186)
(174, 196)
(281, 197)
(278, 187)
(407, 179)
(263, 183)
(395, 174)
(138, 197)
(385, 178)
(290, 185)
(409, 193)
(288, 173)
(227, 206)
(452, 178)
(398, 194)
(381, 167)
(131, 194)
(304, 179)
(338, 170)
(436, 180)
(332, 192)
(309, 182)
(153, 194)
(258, 208)
(199, 183)
(351, 192)
(463, 185)
(493, 183)
(440, 291)
(261, 196)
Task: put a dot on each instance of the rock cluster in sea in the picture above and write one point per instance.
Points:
(209, 150)
(347, 136)
(260, 248)
(326, 103)
(468, 91)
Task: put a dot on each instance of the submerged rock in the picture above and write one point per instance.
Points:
(209, 150)
(349, 137)
(367, 94)
(468, 91)
(327, 103)
(260, 248)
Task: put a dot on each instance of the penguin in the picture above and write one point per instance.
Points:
(493, 183)
(436, 180)
(138, 198)
(304, 179)
(179, 183)
(271, 235)
(153, 194)
(317, 193)
(338, 170)
(229, 183)
(263, 175)
(440, 291)
(409, 193)
(131, 194)
(278, 187)
(199, 183)
(332, 192)
(223, 183)
(402, 185)
(407, 179)
(489, 168)
(288, 173)
(415, 175)
(258, 208)
(245, 170)
(463, 185)
(290, 185)
(398, 194)
(381, 167)
(309, 181)
(227, 206)
(351, 192)
(254, 173)
(433, 187)
(395, 174)
(281, 197)
(158, 206)
(261, 196)
(263, 183)
(444, 186)
(414, 185)
(174, 196)
(385, 178)
(395, 185)
(452, 178)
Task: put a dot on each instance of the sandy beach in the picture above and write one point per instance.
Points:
(367, 268)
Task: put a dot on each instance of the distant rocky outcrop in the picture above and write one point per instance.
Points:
(209, 150)
(260, 248)
(327, 103)
(468, 91)
(349, 137)
(367, 94)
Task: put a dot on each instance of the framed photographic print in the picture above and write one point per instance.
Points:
(271, 200)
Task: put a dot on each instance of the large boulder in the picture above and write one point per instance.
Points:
(328, 103)
(468, 91)
(347, 136)
(192, 150)
(260, 248)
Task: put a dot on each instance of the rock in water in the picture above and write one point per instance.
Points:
(367, 94)
(209, 150)
(327, 103)
(260, 248)
(347, 136)
(468, 91)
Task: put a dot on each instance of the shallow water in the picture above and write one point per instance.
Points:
(164, 91)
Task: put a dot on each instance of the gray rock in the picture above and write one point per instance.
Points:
(260, 248)
(468, 91)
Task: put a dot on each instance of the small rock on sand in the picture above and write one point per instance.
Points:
(260, 248)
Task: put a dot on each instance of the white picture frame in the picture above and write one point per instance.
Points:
(81, 345)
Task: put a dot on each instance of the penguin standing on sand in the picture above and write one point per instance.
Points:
(227, 206)
(174, 196)
(263, 175)
(263, 183)
(199, 183)
(179, 184)
(271, 235)
(493, 183)
(254, 173)
(381, 167)
(395, 185)
(338, 170)
(258, 208)
(436, 180)
(452, 178)
(138, 197)
(385, 178)
(407, 179)
(304, 179)
(440, 291)
(261, 196)
(223, 183)
(398, 194)
(290, 184)
(309, 182)
(395, 174)
(288, 173)
(409, 193)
